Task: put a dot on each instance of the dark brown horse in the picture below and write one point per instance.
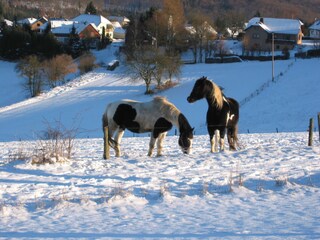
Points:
(222, 114)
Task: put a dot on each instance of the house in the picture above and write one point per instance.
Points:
(102, 24)
(7, 22)
(122, 20)
(119, 32)
(259, 33)
(87, 33)
(26, 21)
(55, 23)
(62, 29)
(38, 23)
(4, 23)
(314, 30)
(34, 23)
(210, 32)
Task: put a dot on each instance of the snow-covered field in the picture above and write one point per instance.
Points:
(269, 189)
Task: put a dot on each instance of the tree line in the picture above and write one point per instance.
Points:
(156, 39)
(40, 73)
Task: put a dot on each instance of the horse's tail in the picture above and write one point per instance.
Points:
(234, 108)
(112, 143)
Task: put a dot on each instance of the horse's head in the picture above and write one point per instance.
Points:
(199, 91)
(185, 140)
(204, 88)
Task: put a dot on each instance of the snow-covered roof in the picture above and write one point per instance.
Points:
(8, 22)
(118, 19)
(277, 25)
(190, 29)
(56, 24)
(119, 30)
(116, 25)
(88, 18)
(315, 25)
(209, 28)
(67, 28)
(28, 21)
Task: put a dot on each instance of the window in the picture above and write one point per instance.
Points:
(255, 35)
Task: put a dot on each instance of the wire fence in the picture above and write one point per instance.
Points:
(264, 86)
(202, 128)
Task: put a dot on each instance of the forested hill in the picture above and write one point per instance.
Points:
(306, 10)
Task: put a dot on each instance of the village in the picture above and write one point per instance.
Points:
(257, 35)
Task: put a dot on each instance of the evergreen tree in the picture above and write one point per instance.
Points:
(91, 9)
(15, 43)
(1, 11)
(74, 45)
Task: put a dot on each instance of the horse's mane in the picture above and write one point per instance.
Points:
(217, 95)
(166, 107)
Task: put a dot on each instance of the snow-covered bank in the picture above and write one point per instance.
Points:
(267, 190)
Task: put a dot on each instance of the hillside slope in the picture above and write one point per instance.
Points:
(285, 105)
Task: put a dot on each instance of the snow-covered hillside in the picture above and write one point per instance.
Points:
(285, 105)
(269, 189)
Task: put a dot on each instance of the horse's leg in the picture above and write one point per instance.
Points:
(159, 143)
(111, 130)
(216, 140)
(151, 145)
(231, 138)
(213, 133)
(222, 134)
(118, 138)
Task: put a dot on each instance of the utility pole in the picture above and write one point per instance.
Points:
(272, 56)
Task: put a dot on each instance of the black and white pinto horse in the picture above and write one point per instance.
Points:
(222, 114)
(157, 116)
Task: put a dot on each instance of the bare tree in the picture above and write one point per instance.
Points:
(220, 49)
(160, 68)
(167, 64)
(31, 68)
(149, 64)
(201, 35)
(142, 63)
(173, 66)
(235, 22)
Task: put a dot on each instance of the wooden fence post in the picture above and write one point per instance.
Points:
(106, 147)
(319, 124)
(310, 132)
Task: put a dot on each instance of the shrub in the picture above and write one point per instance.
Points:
(86, 63)
(55, 144)
(58, 67)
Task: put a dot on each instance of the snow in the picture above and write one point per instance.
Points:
(277, 25)
(88, 18)
(268, 189)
